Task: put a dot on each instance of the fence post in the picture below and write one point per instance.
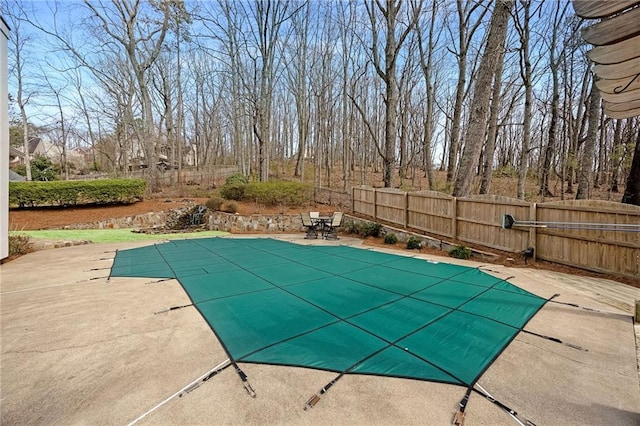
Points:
(406, 210)
(375, 204)
(532, 231)
(454, 218)
(353, 199)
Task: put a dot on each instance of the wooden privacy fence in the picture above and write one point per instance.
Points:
(478, 220)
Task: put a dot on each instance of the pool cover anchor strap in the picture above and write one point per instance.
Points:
(522, 421)
(159, 281)
(556, 340)
(458, 417)
(574, 305)
(245, 381)
(98, 278)
(311, 402)
(173, 308)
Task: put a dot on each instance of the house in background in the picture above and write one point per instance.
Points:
(79, 157)
(15, 157)
(37, 147)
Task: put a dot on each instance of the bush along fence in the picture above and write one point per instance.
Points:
(599, 236)
(69, 193)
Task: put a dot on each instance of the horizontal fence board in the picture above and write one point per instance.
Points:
(594, 237)
(592, 213)
(597, 250)
(480, 221)
(364, 201)
(590, 255)
(390, 206)
(432, 212)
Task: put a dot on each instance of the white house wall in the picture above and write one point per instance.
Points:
(4, 141)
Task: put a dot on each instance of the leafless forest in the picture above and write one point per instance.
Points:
(347, 92)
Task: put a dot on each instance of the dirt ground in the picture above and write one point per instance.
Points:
(58, 217)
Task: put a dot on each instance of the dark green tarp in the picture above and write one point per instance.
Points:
(341, 308)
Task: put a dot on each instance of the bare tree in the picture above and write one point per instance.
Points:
(492, 132)
(617, 156)
(632, 190)
(466, 28)
(142, 38)
(346, 14)
(585, 174)
(269, 17)
(18, 44)
(62, 122)
(387, 70)
(554, 63)
(523, 27)
(427, 67)
(475, 134)
(298, 74)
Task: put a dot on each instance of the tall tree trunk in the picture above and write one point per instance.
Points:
(616, 156)
(492, 135)
(426, 64)
(466, 10)
(577, 130)
(525, 72)
(18, 44)
(547, 152)
(602, 142)
(25, 138)
(632, 191)
(391, 99)
(388, 74)
(476, 129)
(585, 177)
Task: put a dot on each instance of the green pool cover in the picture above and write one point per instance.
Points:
(340, 308)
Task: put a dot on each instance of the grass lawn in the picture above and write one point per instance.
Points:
(110, 235)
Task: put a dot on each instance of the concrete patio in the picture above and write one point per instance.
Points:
(78, 349)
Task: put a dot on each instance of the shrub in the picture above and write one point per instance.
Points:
(19, 245)
(236, 178)
(460, 252)
(214, 203)
(274, 193)
(370, 229)
(42, 169)
(414, 243)
(506, 171)
(63, 193)
(351, 228)
(390, 239)
(233, 191)
(229, 207)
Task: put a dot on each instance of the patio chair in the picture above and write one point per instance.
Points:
(332, 227)
(314, 215)
(310, 227)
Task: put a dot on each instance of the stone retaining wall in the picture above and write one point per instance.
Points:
(142, 221)
(219, 221)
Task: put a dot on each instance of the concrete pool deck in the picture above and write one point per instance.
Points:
(78, 349)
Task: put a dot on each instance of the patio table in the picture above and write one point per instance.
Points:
(322, 223)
